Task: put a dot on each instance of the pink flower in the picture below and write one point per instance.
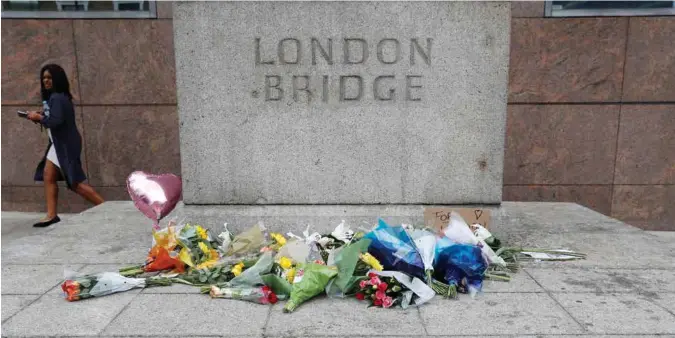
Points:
(382, 286)
(380, 295)
(371, 275)
(377, 302)
(375, 281)
(363, 284)
(360, 296)
(387, 302)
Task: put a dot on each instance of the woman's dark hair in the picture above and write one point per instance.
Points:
(59, 82)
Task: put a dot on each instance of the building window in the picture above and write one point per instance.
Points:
(609, 8)
(34, 9)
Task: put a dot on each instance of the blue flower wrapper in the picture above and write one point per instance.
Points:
(395, 250)
(455, 262)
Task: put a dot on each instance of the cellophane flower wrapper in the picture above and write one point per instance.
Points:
(459, 231)
(425, 242)
(346, 260)
(259, 295)
(395, 250)
(310, 280)
(281, 287)
(249, 241)
(252, 275)
(422, 293)
(78, 287)
(455, 261)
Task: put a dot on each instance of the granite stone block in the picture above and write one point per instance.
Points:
(596, 197)
(567, 59)
(560, 144)
(648, 205)
(645, 153)
(577, 280)
(12, 304)
(126, 61)
(281, 103)
(30, 44)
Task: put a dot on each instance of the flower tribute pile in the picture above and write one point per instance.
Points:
(386, 266)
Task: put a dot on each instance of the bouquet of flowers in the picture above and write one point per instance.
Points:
(106, 283)
(395, 250)
(260, 295)
(380, 292)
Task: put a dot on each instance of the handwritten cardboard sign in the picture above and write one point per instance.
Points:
(438, 218)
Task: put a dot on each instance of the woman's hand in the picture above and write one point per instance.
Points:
(34, 116)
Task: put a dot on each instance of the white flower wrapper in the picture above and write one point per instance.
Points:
(460, 232)
(418, 287)
(425, 242)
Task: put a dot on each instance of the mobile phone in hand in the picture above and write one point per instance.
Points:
(22, 114)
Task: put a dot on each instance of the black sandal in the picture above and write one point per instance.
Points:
(47, 223)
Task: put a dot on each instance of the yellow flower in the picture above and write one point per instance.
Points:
(279, 239)
(204, 248)
(185, 257)
(285, 262)
(207, 265)
(290, 275)
(371, 261)
(237, 269)
(201, 232)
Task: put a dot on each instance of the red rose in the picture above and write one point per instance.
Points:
(382, 286)
(272, 298)
(372, 275)
(360, 296)
(377, 302)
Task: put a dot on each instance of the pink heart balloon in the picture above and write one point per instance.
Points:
(154, 195)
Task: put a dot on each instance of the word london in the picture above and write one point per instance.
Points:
(351, 87)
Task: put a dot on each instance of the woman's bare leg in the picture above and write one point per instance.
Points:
(86, 191)
(51, 175)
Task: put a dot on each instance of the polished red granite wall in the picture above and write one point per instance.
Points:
(591, 115)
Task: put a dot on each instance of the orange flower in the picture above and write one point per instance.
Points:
(160, 259)
(71, 289)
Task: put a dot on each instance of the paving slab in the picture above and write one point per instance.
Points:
(162, 314)
(11, 304)
(666, 301)
(32, 279)
(498, 313)
(52, 315)
(617, 313)
(604, 280)
(323, 316)
(520, 282)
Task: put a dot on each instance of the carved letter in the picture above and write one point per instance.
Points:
(380, 53)
(364, 51)
(325, 88)
(258, 58)
(376, 91)
(282, 53)
(269, 86)
(305, 88)
(343, 81)
(408, 86)
(414, 45)
(327, 56)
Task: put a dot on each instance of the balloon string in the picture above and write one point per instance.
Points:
(155, 225)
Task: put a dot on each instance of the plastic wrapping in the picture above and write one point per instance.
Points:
(459, 231)
(346, 261)
(421, 293)
(425, 242)
(252, 275)
(395, 250)
(260, 295)
(459, 264)
(310, 281)
(249, 241)
(77, 287)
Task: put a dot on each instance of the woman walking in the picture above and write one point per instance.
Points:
(61, 161)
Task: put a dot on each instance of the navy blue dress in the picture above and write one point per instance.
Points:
(59, 117)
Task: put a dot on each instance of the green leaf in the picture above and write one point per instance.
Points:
(85, 283)
(203, 278)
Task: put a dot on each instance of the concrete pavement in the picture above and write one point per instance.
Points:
(625, 288)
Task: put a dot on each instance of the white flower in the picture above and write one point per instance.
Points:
(225, 238)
